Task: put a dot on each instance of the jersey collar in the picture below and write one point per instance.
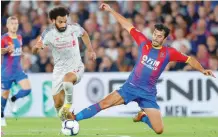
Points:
(157, 47)
(12, 37)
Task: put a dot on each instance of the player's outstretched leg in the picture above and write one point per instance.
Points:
(154, 119)
(143, 117)
(4, 98)
(112, 99)
(25, 91)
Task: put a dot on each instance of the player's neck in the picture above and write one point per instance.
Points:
(12, 35)
(157, 47)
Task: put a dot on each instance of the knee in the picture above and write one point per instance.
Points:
(70, 77)
(159, 130)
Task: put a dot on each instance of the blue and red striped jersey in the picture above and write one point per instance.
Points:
(151, 62)
(11, 62)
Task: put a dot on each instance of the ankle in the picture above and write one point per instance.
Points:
(67, 105)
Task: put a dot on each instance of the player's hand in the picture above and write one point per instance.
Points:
(208, 73)
(10, 48)
(92, 55)
(39, 44)
(105, 7)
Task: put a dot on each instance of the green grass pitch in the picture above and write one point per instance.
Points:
(112, 127)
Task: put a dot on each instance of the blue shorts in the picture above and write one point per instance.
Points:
(131, 93)
(7, 82)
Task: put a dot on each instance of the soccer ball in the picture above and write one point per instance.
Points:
(70, 127)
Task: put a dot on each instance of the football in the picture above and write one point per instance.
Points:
(70, 127)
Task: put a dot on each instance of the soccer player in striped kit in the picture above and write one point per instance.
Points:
(11, 69)
(141, 84)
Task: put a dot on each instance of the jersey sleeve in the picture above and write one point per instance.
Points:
(177, 56)
(77, 30)
(138, 36)
(45, 37)
(2, 42)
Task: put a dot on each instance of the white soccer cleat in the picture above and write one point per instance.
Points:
(3, 122)
(14, 107)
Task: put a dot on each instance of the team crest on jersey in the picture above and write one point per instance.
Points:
(57, 39)
(162, 54)
(73, 43)
(150, 63)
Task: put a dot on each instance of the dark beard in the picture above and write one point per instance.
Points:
(60, 29)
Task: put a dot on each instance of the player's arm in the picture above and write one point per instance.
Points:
(197, 66)
(80, 32)
(122, 20)
(37, 47)
(9, 49)
(179, 57)
(42, 42)
(5, 50)
(87, 42)
(138, 36)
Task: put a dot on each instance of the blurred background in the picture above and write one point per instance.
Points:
(193, 25)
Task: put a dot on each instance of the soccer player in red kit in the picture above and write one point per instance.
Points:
(11, 68)
(141, 84)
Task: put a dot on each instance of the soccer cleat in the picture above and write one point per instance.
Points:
(3, 122)
(139, 116)
(64, 113)
(72, 116)
(14, 107)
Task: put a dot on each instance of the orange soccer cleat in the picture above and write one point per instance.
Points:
(139, 116)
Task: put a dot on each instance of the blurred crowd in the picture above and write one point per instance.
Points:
(193, 25)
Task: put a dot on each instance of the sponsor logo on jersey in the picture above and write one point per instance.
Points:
(150, 63)
(17, 52)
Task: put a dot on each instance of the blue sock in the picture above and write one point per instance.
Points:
(3, 104)
(88, 112)
(22, 93)
(146, 120)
